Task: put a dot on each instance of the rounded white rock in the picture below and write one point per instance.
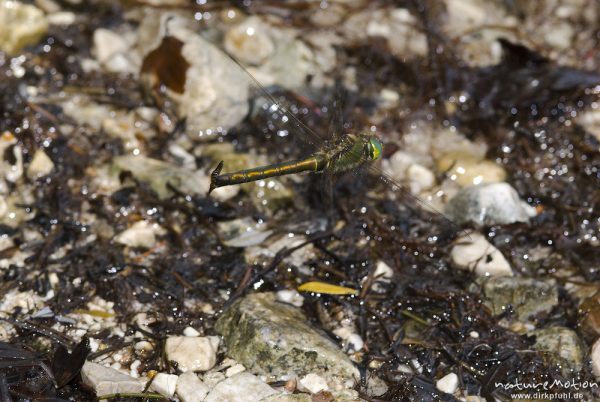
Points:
(189, 331)
(355, 342)
(488, 204)
(476, 254)
(290, 296)
(249, 41)
(448, 383)
(165, 384)
(190, 388)
(420, 178)
(40, 165)
(192, 353)
(312, 383)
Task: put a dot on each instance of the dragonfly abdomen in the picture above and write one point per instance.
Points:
(313, 163)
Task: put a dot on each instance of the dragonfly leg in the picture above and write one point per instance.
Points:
(213, 177)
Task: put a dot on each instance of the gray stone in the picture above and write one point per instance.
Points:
(242, 387)
(476, 254)
(190, 388)
(273, 338)
(489, 204)
(564, 345)
(215, 95)
(105, 380)
(527, 296)
(20, 25)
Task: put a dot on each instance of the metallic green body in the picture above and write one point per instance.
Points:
(354, 151)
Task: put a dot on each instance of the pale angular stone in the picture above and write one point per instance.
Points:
(190, 388)
(189, 331)
(488, 204)
(290, 296)
(448, 383)
(20, 25)
(140, 234)
(235, 369)
(192, 353)
(421, 178)
(249, 41)
(313, 383)
(165, 384)
(242, 387)
(40, 165)
(107, 381)
(476, 254)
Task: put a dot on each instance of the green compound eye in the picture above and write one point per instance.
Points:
(375, 149)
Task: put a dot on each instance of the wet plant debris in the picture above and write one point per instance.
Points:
(461, 264)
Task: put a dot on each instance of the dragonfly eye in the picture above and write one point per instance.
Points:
(375, 149)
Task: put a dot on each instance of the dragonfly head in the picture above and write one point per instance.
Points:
(374, 148)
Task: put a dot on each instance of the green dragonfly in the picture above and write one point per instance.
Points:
(350, 153)
(343, 153)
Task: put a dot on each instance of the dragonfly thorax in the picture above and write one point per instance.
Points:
(354, 151)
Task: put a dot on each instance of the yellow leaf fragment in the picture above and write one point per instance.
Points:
(326, 288)
(95, 313)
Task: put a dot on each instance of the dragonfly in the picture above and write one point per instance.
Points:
(350, 153)
(345, 152)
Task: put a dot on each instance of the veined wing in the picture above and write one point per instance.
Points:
(284, 115)
(318, 142)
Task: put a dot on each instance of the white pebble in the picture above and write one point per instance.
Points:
(106, 380)
(476, 254)
(53, 279)
(190, 388)
(63, 18)
(313, 383)
(133, 368)
(212, 378)
(94, 345)
(165, 384)
(383, 274)
(290, 296)
(474, 334)
(189, 331)
(235, 369)
(242, 387)
(192, 353)
(40, 165)
(448, 383)
(143, 345)
(355, 342)
(140, 234)
(420, 177)
(107, 43)
(249, 41)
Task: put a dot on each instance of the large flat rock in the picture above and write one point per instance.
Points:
(275, 339)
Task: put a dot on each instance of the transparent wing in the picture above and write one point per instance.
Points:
(282, 116)
(284, 119)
